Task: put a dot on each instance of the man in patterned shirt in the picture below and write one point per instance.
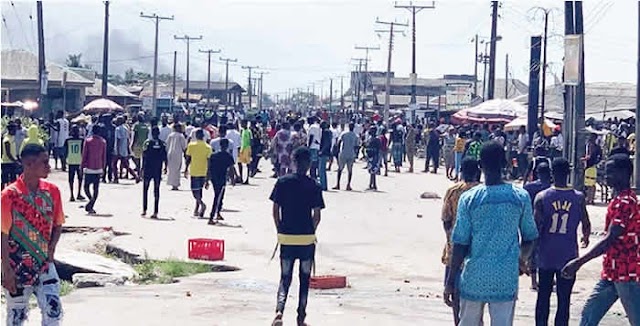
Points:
(492, 219)
(470, 173)
(32, 219)
(621, 265)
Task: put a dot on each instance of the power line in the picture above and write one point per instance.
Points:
(22, 29)
(391, 31)
(209, 52)
(187, 40)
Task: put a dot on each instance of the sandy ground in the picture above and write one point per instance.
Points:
(390, 256)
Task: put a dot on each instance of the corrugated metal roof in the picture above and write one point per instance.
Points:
(112, 90)
(21, 65)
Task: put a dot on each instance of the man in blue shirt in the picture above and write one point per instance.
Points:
(492, 217)
(543, 172)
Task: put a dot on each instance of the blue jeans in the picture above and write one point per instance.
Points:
(322, 171)
(47, 293)
(605, 294)
(313, 172)
(458, 163)
(501, 313)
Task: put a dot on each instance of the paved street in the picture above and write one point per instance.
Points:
(390, 256)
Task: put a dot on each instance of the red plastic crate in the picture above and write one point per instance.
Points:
(328, 282)
(206, 249)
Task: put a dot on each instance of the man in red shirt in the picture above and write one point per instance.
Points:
(621, 265)
(94, 156)
(32, 219)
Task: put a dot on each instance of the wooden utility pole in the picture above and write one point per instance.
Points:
(330, 94)
(387, 95)
(105, 51)
(187, 40)
(475, 69)
(366, 70)
(414, 9)
(342, 93)
(506, 76)
(42, 67)
(358, 83)
(173, 86)
(156, 19)
(260, 80)
(636, 175)
(249, 89)
(492, 58)
(209, 52)
(226, 81)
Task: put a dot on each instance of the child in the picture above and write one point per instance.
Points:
(73, 148)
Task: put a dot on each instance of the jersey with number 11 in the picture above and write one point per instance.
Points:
(562, 213)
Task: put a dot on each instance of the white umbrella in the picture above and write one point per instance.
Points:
(102, 105)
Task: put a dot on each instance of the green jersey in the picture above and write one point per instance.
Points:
(74, 151)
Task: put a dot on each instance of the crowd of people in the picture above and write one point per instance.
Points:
(495, 230)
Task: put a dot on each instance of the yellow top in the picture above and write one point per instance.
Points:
(12, 148)
(459, 145)
(296, 239)
(199, 152)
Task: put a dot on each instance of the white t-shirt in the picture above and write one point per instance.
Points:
(335, 133)
(358, 129)
(188, 130)
(316, 133)
(234, 136)
(233, 149)
(206, 138)
(63, 132)
(164, 133)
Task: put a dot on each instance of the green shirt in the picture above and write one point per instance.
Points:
(74, 151)
(141, 132)
(246, 138)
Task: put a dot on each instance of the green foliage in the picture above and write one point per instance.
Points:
(65, 288)
(163, 272)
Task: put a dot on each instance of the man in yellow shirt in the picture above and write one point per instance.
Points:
(9, 156)
(197, 159)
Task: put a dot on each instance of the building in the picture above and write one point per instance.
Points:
(20, 82)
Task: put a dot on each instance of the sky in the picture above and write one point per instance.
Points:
(300, 42)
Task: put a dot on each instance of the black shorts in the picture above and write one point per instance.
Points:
(298, 252)
(90, 178)
(155, 177)
(73, 170)
(197, 183)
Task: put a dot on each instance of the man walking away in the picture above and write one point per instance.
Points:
(122, 150)
(410, 145)
(154, 155)
(140, 135)
(558, 211)
(94, 157)
(470, 172)
(220, 163)
(9, 156)
(523, 143)
(533, 189)
(62, 127)
(492, 218)
(324, 153)
(245, 150)
(620, 278)
(73, 148)
(315, 136)
(297, 201)
(176, 145)
(197, 156)
(32, 219)
(433, 149)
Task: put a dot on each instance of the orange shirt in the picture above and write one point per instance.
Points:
(28, 218)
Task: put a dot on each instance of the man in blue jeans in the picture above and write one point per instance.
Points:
(558, 212)
(620, 276)
(492, 218)
(297, 201)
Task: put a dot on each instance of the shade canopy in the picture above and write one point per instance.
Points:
(493, 111)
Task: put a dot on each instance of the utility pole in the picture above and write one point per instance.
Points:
(475, 69)
(330, 94)
(260, 80)
(358, 83)
(342, 94)
(636, 175)
(366, 69)
(173, 86)
(414, 9)
(506, 77)
(187, 40)
(387, 95)
(579, 125)
(226, 81)
(544, 58)
(105, 51)
(42, 68)
(155, 59)
(485, 60)
(249, 89)
(492, 58)
(209, 52)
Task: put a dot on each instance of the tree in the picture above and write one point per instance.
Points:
(74, 60)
